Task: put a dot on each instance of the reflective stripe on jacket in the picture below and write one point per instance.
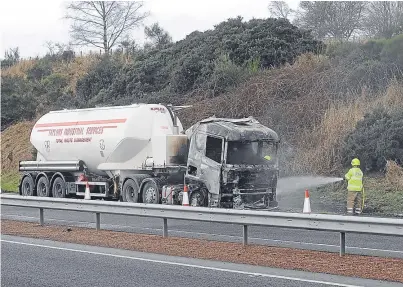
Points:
(354, 177)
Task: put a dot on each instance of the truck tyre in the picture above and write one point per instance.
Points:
(151, 192)
(198, 198)
(59, 188)
(43, 187)
(130, 191)
(28, 186)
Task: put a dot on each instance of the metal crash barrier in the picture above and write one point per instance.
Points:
(335, 223)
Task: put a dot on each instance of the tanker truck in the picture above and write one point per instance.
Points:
(141, 153)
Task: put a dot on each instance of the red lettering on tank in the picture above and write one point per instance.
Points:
(73, 131)
(95, 130)
(54, 132)
(158, 109)
(82, 140)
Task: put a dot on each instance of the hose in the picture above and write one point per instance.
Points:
(363, 199)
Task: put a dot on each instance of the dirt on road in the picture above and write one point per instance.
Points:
(313, 261)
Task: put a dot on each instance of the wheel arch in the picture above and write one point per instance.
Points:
(39, 175)
(56, 175)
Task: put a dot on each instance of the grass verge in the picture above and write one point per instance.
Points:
(9, 182)
(381, 198)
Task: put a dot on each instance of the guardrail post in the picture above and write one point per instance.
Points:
(165, 228)
(245, 235)
(41, 217)
(342, 243)
(98, 220)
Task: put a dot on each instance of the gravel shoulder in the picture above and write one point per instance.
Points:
(369, 267)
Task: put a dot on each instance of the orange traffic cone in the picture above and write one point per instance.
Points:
(87, 191)
(185, 200)
(307, 203)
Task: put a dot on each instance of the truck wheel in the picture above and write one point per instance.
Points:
(27, 186)
(130, 191)
(43, 187)
(198, 198)
(151, 192)
(59, 188)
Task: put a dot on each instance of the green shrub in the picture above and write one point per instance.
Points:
(376, 139)
(40, 70)
(100, 77)
(340, 49)
(373, 48)
(392, 51)
(17, 100)
(196, 62)
(226, 75)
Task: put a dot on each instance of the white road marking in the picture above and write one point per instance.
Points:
(212, 234)
(183, 264)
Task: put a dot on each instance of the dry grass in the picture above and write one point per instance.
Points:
(75, 69)
(20, 69)
(394, 175)
(311, 104)
(320, 147)
(15, 146)
(280, 98)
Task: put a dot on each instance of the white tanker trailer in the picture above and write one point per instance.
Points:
(140, 153)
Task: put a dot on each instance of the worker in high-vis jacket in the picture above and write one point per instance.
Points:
(355, 188)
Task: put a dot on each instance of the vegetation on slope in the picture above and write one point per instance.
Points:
(15, 146)
(320, 101)
(212, 61)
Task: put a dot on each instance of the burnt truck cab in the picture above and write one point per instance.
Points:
(232, 163)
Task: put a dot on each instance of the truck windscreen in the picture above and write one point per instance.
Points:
(258, 152)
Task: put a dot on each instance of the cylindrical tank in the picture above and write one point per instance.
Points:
(93, 135)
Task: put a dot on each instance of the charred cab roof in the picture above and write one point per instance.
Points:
(245, 129)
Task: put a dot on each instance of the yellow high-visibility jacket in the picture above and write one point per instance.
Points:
(354, 177)
(267, 157)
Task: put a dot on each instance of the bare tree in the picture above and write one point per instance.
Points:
(11, 57)
(157, 35)
(331, 19)
(51, 47)
(280, 9)
(103, 23)
(384, 18)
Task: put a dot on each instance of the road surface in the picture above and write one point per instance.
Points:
(32, 262)
(315, 240)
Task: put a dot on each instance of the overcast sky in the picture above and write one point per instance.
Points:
(30, 24)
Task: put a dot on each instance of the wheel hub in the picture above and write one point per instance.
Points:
(58, 188)
(42, 189)
(131, 192)
(26, 188)
(150, 195)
